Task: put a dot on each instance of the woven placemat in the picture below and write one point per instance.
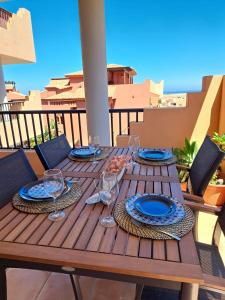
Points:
(48, 206)
(104, 154)
(145, 231)
(167, 162)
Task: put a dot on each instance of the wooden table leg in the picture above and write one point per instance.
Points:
(3, 283)
(139, 289)
(189, 291)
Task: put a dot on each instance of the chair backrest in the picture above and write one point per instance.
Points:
(15, 171)
(204, 166)
(52, 152)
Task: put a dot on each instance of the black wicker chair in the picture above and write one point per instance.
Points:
(15, 171)
(52, 152)
(209, 255)
(204, 166)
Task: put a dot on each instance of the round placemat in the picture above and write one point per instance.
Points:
(104, 154)
(169, 161)
(48, 206)
(145, 231)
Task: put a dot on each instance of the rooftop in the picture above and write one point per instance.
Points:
(58, 83)
(109, 67)
(78, 93)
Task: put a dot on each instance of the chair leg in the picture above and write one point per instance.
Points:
(189, 291)
(139, 289)
(76, 286)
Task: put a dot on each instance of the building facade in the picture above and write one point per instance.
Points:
(68, 92)
(17, 44)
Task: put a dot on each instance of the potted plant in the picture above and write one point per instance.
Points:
(185, 157)
(215, 192)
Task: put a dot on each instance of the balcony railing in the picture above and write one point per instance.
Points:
(4, 17)
(25, 129)
(14, 105)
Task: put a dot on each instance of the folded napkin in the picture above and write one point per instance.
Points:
(101, 196)
(104, 195)
(93, 199)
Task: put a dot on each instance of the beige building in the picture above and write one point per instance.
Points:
(17, 45)
(68, 92)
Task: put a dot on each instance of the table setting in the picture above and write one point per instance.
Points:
(154, 157)
(148, 156)
(154, 216)
(91, 153)
(51, 194)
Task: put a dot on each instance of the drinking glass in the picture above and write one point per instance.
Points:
(98, 182)
(94, 144)
(54, 186)
(111, 190)
(133, 145)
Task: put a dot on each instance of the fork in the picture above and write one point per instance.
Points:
(139, 224)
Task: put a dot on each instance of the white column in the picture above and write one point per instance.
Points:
(92, 28)
(2, 86)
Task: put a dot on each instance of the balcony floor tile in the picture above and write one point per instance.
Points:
(39, 285)
(25, 284)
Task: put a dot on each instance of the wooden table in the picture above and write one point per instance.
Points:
(80, 244)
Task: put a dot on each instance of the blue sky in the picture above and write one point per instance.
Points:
(178, 41)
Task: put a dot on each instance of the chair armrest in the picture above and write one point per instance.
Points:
(183, 167)
(203, 207)
(192, 197)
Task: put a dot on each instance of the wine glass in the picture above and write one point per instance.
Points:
(94, 144)
(54, 186)
(98, 182)
(133, 145)
(111, 191)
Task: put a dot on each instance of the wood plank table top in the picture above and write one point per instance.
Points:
(79, 240)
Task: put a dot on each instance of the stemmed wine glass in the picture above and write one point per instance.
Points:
(54, 186)
(133, 145)
(94, 144)
(111, 187)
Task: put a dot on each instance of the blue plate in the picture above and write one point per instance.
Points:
(154, 155)
(24, 192)
(172, 218)
(155, 205)
(83, 152)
